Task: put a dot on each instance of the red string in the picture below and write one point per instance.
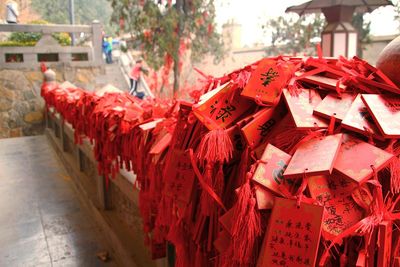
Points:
(203, 184)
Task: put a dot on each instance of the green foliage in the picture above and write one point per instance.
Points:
(31, 38)
(363, 29)
(63, 38)
(25, 37)
(294, 34)
(15, 43)
(57, 11)
(163, 30)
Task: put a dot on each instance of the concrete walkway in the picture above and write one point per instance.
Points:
(42, 222)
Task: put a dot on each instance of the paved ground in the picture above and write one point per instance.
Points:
(42, 222)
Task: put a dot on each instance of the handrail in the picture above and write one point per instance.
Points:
(49, 51)
(44, 28)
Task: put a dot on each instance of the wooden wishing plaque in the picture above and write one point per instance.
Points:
(334, 105)
(292, 236)
(358, 119)
(223, 241)
(181, 177)
(356, 157)
(314, 157)
(221, 107)
(257, 130)
(267, 81)
(321, 81)
(386, 113)
(334, 193)
(301, 108)
(265, 198)
(227, 220)
(269, 172)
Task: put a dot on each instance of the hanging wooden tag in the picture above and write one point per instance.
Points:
(221, 107)
(237, 140)
(161, 144)
(223, 241)
(226, 220)
(256, 131)
(377, 73)
(322, 82)
(356, 157)
(267, 81)
(334, 193)
(314, 157)
(264, 197)
(301, 108)
(380, 85)
(180, 176)
(333, 105)
(293, 235)
(361, 259)
(269, 172)
(386, 113)
(385, 243)
(358, 119)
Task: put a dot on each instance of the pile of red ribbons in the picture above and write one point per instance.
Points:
(286, 162)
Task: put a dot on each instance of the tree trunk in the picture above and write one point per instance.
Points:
(179, 8)
(176, 74)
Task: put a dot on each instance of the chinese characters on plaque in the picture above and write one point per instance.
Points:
(292, 236)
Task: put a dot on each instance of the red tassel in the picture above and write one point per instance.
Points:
(177, 236)
(206, 201)
(394, 168)
(246, 228)
(216, 146)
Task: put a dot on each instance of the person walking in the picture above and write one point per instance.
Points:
(12, 12)
(104, 46)
(134, 76)
(109, 49)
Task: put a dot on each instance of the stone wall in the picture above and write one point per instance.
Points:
(21, 107)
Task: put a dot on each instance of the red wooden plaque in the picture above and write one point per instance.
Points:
(270, 173)
(333, 105)
(267, 81)
(322, 81)
(221, 107)
(356, 157)
(385, 229)
(358, 119)
(223, 241)
(334, 193)
(293, 235)
(386, 113)
(264, 197)
(301, 108)
(256, 131)
(180, 177)
(226, 220)
(161, 144)
(314, 157)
